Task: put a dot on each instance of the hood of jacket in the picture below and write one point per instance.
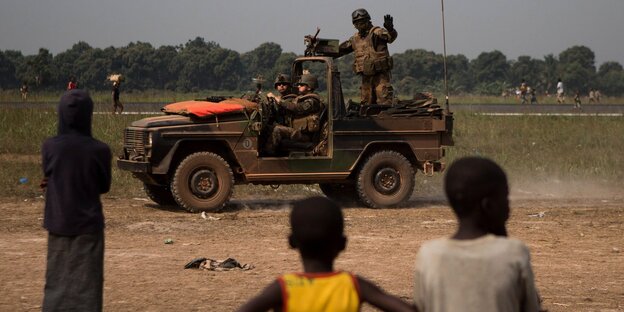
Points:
(75, 111)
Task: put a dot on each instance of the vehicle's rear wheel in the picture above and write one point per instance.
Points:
(202, 182)
(159, 194)
(386, 179)
(342, 193)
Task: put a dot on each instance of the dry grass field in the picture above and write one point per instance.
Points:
(576, 246)
(566, 177)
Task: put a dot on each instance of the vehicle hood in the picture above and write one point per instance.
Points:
(161, 121)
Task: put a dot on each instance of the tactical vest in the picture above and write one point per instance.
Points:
(368, 61)
(308, 122)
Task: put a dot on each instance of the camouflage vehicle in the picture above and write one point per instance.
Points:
(369, 153)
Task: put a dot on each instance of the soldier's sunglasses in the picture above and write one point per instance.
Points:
(282, 84)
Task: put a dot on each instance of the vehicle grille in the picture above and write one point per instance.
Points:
(134, 142)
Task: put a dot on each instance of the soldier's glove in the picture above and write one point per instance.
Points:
(388, 22)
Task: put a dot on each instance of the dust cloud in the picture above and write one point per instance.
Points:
(556, 188)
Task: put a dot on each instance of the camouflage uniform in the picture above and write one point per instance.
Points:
(372, 59)
(285, 94)
(305, 112)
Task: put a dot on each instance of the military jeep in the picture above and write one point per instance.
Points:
(368, 153)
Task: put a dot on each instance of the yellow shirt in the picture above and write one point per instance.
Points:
(334, 291)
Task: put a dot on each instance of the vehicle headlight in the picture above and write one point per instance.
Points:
(148, 145)
(150, 139)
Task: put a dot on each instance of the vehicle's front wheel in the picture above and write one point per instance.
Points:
(202, 182)
(159, 194)
(386, 179)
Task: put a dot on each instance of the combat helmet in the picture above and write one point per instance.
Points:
(281, 78)
(309, 80)
(360, 14)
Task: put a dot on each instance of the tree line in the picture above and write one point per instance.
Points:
(205, 65)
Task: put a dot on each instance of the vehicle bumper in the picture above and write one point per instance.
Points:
(134, 166)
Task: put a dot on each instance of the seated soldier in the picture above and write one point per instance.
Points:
(305, 112)
(283, 86)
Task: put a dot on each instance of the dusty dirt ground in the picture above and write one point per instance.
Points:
(577, 249)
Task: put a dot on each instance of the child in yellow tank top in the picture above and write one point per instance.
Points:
(317, 229)
(335, 291)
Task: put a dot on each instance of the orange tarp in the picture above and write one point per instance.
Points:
(205, 108)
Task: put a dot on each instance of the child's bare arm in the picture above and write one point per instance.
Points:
(377, 297)
(269, 298)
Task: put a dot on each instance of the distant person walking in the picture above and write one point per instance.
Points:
(577, 99)
(116, 101)
(560, 92)
(71, 85)
(523, 92)
(533, 96)
(592, 96)
(598, 95)
(24, 91)
(76, 170)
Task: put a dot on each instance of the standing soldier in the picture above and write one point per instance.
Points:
(372, 59)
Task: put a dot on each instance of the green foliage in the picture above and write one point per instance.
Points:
(577, 68)
(261, 62)
(549, 74)
(611, 78)
(7, 72)
(528, 69)
(490, 67)
(204, 65)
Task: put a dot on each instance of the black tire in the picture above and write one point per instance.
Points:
(159, 194)
(342, 193)
(386, 179)
(202, 182)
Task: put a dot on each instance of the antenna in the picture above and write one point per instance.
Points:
(446, 98)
